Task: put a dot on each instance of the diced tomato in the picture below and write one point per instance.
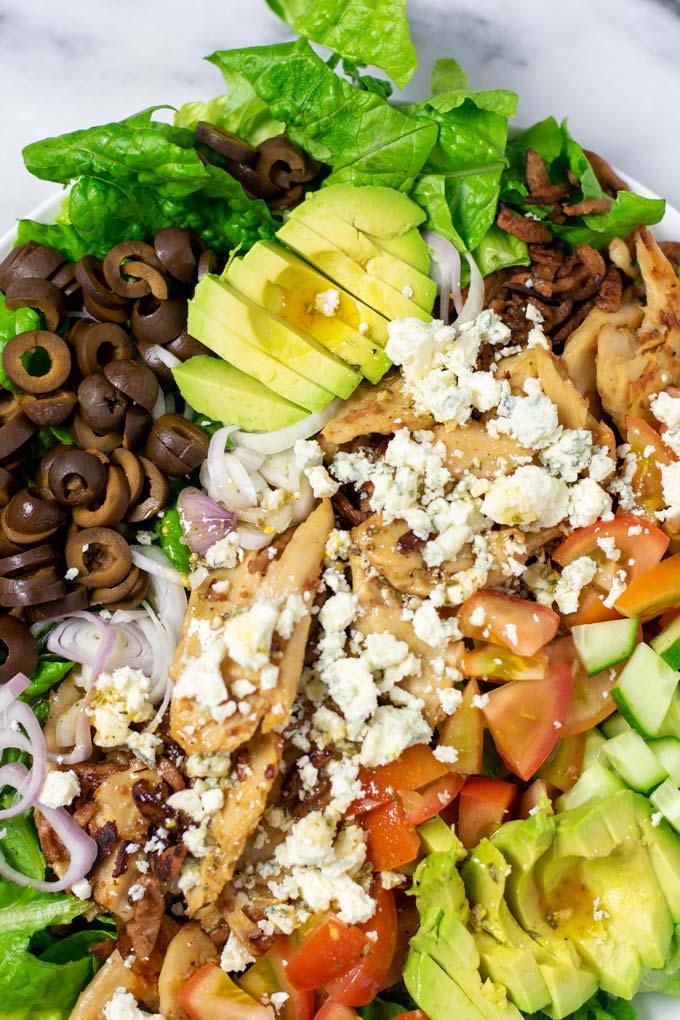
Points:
(517, 624)
(324, 950)
(640, 544)
(668, 617)
(211, 995)
(564, 764)
(651, 455)
(484, 804)
(525, 717)
(415, 767)
(464, 731)
(654, 592)
(391, 840)
(269, 974)
(415, 1014)
(591, 609)
(496, 663)
(590, 701)
(534, 796)
(361, 984)
(408, 922)
(421, 805)
(336, 1011)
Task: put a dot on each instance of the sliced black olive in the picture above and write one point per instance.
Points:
(179, 251)
(254, 183)
(98, 343)
(137, 425)
(102, 405)
(100, 555)
(28, 519)
(224, 142)
(134, 472)
(176, 446)
(132, 269)
(111, 507)
(75, 477)
(73, 602)
(285, 163)
(87, 439)
(40, 294)
(154, 493)
(16, 431)
(31, 260)
(136, 381)
(186, 346)
(50, 410)
(37, 361)
(21, 647)
(156, 321)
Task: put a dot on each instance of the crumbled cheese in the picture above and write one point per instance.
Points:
(480, 700)
(608, 546)
(670, 486)
(390, 732)
(225, 553)
(82, 889)
(447, 755)
(588, 502)
(407, 291)
(248, 635)
(530, 498)
(573, 579)
(657, 816)
(119, 699)
(59, 789)
(666, 409)
(235, 957)
(339, 611)
(71, 574)
(144, 745)
(327, 301)
(136, 892)
(531, 420)
(309, 459)
(449, 698)
(123, 1006)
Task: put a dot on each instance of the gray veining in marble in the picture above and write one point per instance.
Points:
(611, 66)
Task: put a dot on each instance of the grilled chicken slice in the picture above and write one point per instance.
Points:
(633, 365)
(379, 410)
(189, 950)
(580, 351)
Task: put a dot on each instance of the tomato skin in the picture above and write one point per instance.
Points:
(361, 984)
(497, 664)
(464, 730)
(390, 840)
(654, 592)
(591, 609)
(640, 550)
(336, 1011)
(415, 1014)
(327, 950)
(415, 767)
(646, 482)
(484, 804)
(517, 624)
(533, 797)
(590, 701)
(525, 717)
(431, 800)
(211, 995)
(269, 974)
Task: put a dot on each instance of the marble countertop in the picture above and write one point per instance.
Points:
(610, 66)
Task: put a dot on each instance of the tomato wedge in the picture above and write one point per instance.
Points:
(654, 592)
(564, 764)
(590, 701)
(421, 805)
(525, 718)
(495, 663)
(391, 840)
(336, 1011)
(211, 995)
(651, 455)
(464, 731)
(533, 797)
(361, 984)
(517, 624)
(269, 974)
(415, 767)
(591, 609)
(322, 951)
(640, 546)
(484, 805)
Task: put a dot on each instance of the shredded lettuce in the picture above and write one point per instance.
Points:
(361, 31)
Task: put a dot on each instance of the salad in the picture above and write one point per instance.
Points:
(339, 558)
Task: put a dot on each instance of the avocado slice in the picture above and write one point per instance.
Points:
(595, 829)
(303, 312)
(663, 848)
(254, 359)
(516, 969)
(222, 392)
(447, 941)
(282, 266)
(409, 247)
(357, 246)
(384, 212)
(435, 992)
(329, 259)
(274, 335)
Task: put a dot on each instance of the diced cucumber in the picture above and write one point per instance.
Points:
(666, 799)
(667, 644)
(670, 727)
(634, 761)
(614, 725)
(667, 752)
(594, 744)
(595, 783)
(644, 690)
(600, 645)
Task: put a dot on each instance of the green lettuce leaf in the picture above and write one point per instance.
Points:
(602, 1006)
(467, 162)
(499, 250)
(11, 323)
(363, 138)
(381, 1009)
(49, 671)
(240, 111)
(359, 30)
(447, 76)
(559, 151)
(61, 236)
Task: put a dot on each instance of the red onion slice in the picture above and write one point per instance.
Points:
(446, 264)
(82, 848)
(152, 559)
(204, 521)
(20, 729)
(283, 439)
(475, 297)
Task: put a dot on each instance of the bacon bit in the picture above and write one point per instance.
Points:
(409, 542)
(541, 189)
(121, 862)
(588, 207)
(608, 179)
(575, 320)
(259, 564)
(170, 773)
(102, 950)
(346, 511)
(611, 290)
(145, 927)
(167, 865)
(523, 227)
(591, 259)
(572, 281)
